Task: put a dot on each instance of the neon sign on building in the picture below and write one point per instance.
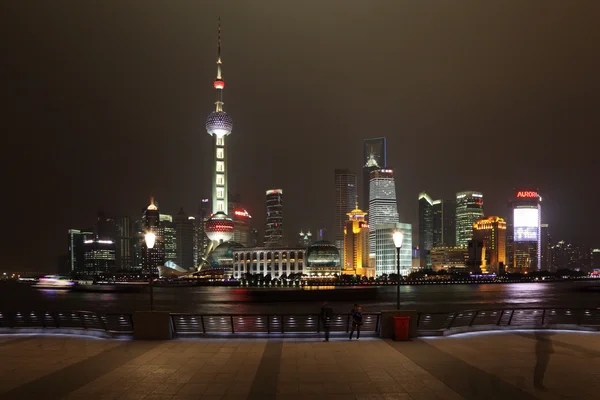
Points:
(527, 195)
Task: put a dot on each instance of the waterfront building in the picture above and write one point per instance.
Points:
(304, 239)
(426, 228)
(382, 203)
(168, 233)
(491, 233)
(449, 257)
(322, 260)
(76, 248)
(201, 239)
(219, 227)
(278, 262)
(220, 260)
(385, 254)
(345, 198)
(124, 244)
(526, 222)
(546, 246)
(356, 245)
(374, 158)
(469, 209)
(99, 255)
(241, 225)
(274, 230)
(151, 258)
(254, 238)
(185, 241)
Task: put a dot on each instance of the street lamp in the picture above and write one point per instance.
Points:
(398, 238)
(150, 239)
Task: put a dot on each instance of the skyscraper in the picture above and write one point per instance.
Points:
(219, 227)
(184, 240)
(201, 238)
(274, 229)
(546, 253)
(527, 235)
(152, 258)
(374, 158)
(386, 250)
(356, 245)
(469, 209)
(124, 244)
(76, 238)
(491, 232)
(426, 229)
(345, 199)
(382, 203)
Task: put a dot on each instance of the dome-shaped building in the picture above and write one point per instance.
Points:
(322, 260)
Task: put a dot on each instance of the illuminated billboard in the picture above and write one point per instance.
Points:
(527, 224)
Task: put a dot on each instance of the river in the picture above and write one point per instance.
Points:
(202, 299)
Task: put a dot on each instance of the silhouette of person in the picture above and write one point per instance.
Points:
(543, 350)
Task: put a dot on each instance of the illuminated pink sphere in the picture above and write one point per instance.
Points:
(219, 228)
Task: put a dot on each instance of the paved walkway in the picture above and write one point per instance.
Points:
(483, 366)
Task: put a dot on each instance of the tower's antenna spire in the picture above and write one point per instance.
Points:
(219, 83)
(219, 51)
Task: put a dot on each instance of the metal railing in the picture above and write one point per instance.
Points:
(515, 318)
(68, 320)
(268, 324)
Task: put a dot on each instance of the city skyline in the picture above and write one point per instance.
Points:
(146, 95)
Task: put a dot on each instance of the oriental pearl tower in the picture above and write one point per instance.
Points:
(219, 227)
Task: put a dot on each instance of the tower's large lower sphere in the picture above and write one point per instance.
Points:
(219, 123)
(219, 228)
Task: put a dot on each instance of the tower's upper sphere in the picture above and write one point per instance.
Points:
(219, 123)
(219, 227)
(219, 84)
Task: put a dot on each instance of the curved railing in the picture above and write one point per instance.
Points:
(442, 324)
(77, 322)
(268, 324)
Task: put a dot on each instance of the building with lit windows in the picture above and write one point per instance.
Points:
(356, 245)
(185, 241)
(124, 244)
(151, 258)
(374, 158)
(345, 198)
(382, 203)
(99, 256)
(469, 209)
(449, 257)
(322, 260)
(426, 227)
(304, 239)
(274, 236)
(168, 232)
(219, 227)
(527, 230)
(278, 262)
(491, 232)
(385, 253)
(76, 237)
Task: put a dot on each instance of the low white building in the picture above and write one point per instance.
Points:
(264, 260)
(385, 250)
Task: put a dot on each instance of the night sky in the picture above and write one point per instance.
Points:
(104, 105)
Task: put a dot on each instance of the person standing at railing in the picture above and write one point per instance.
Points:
(356, 314)
(326, 317)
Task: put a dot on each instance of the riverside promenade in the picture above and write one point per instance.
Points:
(499, 365)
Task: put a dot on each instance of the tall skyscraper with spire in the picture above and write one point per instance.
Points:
(374, 158)
(219, 227)
(345, 199)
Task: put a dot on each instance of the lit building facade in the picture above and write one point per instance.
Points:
(426, 227)
(168, 233)
(469, 209)
(100, 256)
(491, 232)
(546, 253)
(382, 203)
(152, 258)
(124, 244)
(527, 234)
(374, 158)
(274, 236)
(241, 226)
(219, 227)
(449, 257)
(356, 245)
(345, 198)
(322, 260)
(385, 253)
(279, 262)
(185, 241)
(304, 239)
(76, 237)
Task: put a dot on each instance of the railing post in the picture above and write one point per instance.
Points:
(452, 320)
(500, 317)
(82, 317)
(282, 328)
(232, 328)
(318, 324)
(102, 322)
(202, 321)
(543, 316)
(348, 323)
(512, 312)
(268, 324)
(473, 319)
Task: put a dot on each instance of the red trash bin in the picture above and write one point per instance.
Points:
(401, 326)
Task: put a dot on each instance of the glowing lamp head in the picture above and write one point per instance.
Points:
(219, 123)
(219, 228)
(150, 239)
(219, 84)
(398, 238)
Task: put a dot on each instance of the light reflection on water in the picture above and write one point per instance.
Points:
(427, 298)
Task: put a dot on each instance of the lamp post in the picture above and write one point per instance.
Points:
(398, 237)
(150, 239)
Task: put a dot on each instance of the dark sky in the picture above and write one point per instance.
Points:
(104, 103)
